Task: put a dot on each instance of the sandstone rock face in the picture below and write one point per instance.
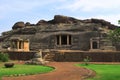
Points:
(59, 19)
(27, 24)
(100, 21)
(64, 19)
(44, 34)
(18, 25)
(41, 22)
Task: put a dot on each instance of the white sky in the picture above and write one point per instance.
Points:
(32, 11)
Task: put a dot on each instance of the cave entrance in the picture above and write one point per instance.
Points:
(18, 44)
(94, 45)
(63, 39)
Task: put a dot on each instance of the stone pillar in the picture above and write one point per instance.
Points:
(60, 40)
(68, 40)
(23, 45)
(91, 46)
(40, 52)
(98, 45)
(17, 45)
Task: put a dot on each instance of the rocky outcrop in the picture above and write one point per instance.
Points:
(18, 25)
(27, 24)
(42, 22)
(27, 30)
(101, 22)
(70, 20)
(60, 19)
(42, 35)
(63, 19)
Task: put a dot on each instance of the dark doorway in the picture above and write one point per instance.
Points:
(69, 39)
(20, 45)
(64, 40)
(58, 40)
(95, 45)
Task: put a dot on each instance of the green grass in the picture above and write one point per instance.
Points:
(104, 72)
(24, 70)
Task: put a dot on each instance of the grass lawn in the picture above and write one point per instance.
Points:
(104, 72)
(23, 70)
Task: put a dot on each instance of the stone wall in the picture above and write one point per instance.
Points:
(21, 55)
(94, 56)
(70, 56)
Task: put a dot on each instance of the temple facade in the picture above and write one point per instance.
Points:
(18, 44)
(100, 43)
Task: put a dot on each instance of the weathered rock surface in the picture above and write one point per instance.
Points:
(42, 35)
(63, 19)
(37, 60)
(27, 24)
(18, 25)
(100, 21)
(41, 22)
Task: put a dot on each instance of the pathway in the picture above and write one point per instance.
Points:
(63, 71)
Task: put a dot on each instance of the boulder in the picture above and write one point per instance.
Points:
(63, 19)
(41, 22)
(37, 60)
(38, 55)
(27, 24)
(18, 25)
(9, 65)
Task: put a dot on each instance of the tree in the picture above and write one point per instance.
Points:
(118, 21)
(114, 35)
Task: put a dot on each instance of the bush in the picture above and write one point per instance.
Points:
(86, 61)
(4, 57)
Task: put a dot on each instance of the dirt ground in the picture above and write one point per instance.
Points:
(63, 71)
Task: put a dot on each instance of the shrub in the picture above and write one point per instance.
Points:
(4, 57)
(1, 56)
(86, 61)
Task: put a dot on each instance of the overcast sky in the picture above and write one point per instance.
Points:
(32, 11)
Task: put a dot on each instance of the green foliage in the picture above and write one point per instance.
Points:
(118, 21)
(86, 61)
(19, 70)
(104, 72)
(4, 57)
(114, 35)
